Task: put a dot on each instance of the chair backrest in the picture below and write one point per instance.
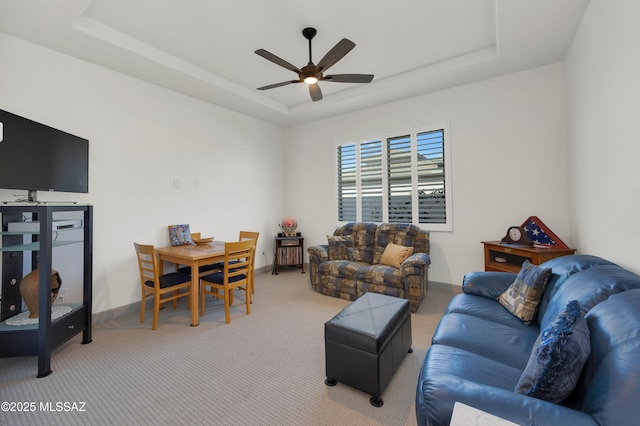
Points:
(249, 235)
(238, 258)
(147, 263)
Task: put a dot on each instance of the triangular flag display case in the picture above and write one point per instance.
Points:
(540, 233)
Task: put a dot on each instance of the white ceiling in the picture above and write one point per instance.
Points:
(205, 48)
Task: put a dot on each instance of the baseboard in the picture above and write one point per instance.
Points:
(135, 306)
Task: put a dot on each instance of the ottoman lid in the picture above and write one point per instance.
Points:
(368, 323)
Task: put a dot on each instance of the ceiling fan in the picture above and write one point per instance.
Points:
(312, 74)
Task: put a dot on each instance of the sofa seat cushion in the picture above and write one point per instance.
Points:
(443, 359)
(380, 274)
(340, 268)
(446, 378)
(483, 337)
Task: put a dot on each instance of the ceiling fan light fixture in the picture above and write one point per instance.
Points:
(311, 80)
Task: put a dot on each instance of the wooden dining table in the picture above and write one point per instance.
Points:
(194, 256)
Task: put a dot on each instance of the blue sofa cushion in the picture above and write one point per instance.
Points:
(338, 247)
(589, 288)
(472, 333)
(562, 268)
(558, 357)
(523, 296)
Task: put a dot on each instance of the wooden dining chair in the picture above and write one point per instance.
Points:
(236, 273)
(249, 235)
(162, 287)
(246, 235)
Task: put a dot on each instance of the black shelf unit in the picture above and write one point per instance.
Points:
(41, 338)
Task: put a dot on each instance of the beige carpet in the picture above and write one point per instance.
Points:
(263, 369)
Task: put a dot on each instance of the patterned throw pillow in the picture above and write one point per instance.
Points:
(394, 255)
(558, 357)
(523, 296)
(179, 235)
(338, 247)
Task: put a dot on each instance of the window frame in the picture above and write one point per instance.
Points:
(384, 138)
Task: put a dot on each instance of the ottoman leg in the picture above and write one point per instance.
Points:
(376, 401)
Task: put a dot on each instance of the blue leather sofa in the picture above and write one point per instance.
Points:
(479, 349)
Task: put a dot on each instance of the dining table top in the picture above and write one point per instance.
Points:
(193, 251)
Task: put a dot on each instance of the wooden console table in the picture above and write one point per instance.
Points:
(509, 258)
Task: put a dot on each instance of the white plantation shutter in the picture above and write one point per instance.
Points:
(406, 180)
(371, 180)
(347, 183)
(431, 177)
(399, 178)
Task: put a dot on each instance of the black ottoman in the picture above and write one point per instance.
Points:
(366, 342)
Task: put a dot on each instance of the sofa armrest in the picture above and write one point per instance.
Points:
(415, 263)
(318, 254)
(487, 284)
(415, 278)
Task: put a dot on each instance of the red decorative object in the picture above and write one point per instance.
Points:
(540, 234)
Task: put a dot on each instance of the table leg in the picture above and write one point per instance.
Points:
(195, 292)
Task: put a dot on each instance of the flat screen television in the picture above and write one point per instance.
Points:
(36, 157)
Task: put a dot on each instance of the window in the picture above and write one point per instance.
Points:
(400, 177)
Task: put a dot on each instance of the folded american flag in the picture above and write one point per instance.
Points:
(540, 234)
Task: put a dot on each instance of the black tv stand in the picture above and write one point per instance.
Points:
(40, 339)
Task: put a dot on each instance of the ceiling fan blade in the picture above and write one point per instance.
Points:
(349, 78)
(284, 83)
(276, 60)
(336, 53)
(315, 92)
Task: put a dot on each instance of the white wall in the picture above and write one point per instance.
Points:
(141, 138)
(509, 162)
(603, 97)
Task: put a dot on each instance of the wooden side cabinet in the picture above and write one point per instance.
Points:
(289, 252)
(509, 258)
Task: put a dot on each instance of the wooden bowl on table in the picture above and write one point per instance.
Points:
(203, 241)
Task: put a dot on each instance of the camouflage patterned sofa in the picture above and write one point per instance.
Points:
(349, 265)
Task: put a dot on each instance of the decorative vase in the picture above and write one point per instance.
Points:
(30, 290)
(289, 225)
